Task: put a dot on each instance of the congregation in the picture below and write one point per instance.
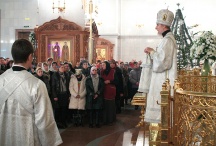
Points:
(86, 93)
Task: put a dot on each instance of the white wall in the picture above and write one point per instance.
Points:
(118, 19)
(132, 40)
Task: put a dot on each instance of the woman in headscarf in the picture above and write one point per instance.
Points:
(110, 80)
(46, 70)
(78, 96)
(40, 75)
(94, 97)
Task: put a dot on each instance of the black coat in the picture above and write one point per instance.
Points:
(45, 79)
(56, 92)
(119, 86)
(86, 72)
(92, 103)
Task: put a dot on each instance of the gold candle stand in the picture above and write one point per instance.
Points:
(140, 100)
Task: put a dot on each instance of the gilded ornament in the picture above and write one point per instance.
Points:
(164, 17)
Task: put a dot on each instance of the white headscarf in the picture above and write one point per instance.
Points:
(91, 71)
(95, 78)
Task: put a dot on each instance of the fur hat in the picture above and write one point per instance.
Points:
(165, 17)
(78, 72)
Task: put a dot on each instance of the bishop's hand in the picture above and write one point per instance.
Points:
(148, 50)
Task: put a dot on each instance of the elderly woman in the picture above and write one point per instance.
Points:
(78, 96)
(94, 97)
(110, 80)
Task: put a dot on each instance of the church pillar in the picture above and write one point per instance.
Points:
(90, 47)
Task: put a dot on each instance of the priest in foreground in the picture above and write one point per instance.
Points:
(26, 116)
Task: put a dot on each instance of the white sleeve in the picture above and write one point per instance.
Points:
(163, 57)
(44, 120)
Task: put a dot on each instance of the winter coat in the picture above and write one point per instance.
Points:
(56, 91)
(77, 103)
(92, 103)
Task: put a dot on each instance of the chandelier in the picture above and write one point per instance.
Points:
(59, 7)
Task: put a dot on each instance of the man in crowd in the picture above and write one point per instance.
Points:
(119, 87)
(134, 77)
(60, 94)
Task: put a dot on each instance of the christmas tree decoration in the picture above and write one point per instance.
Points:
(183, 40)
(32, 39)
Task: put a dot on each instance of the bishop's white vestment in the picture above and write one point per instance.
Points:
(26, 116)
(164, 60)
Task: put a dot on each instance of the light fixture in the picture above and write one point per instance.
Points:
(139, 25)
(59, 7)
(99, 23)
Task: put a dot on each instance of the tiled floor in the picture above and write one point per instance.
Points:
(121, 133)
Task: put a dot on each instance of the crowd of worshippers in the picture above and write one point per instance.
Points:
(86, 94)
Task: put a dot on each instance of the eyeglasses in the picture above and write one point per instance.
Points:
(94, 70)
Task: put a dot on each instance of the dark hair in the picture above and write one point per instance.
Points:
(54, 63)
(135, 62)
(50, 59)
(66, 63)
(45, 64)
(112, 61)
(82, 62)
(21, 49)
(71, 67)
